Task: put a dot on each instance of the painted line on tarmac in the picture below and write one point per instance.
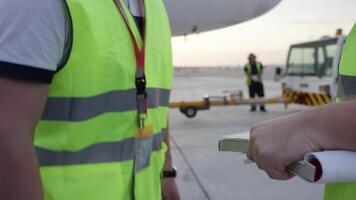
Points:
(206, 194)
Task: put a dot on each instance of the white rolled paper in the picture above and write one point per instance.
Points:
(337, 166)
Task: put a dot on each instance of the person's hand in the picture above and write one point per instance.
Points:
(278, 143)
(170, 189)
(254, 77)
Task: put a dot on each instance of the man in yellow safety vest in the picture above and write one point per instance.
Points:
(88, 82)
(253, 71)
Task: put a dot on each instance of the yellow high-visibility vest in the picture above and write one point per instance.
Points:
(86, 142)
(259, 69)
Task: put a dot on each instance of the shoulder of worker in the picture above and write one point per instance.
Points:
(32, 38)
(246, 66)
(260, 63)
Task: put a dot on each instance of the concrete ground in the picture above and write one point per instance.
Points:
(205, 173)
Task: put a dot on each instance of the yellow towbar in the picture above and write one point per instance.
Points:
(190, 109)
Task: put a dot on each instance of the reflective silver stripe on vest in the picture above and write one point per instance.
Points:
(129, 149)
(80, 109)
(347, 87)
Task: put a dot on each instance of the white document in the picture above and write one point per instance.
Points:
(242, 136)
(317, 167)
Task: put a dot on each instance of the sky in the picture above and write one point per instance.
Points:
(269, 36)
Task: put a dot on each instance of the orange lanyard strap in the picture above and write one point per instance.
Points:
(140, 78)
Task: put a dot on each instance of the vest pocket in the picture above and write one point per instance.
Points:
(109, 181)
(148, 180)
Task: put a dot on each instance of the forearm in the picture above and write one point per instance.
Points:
(21, 106)
(169, 186)
(332, 126)
(168, 164)
(248, 74)
(19, 177)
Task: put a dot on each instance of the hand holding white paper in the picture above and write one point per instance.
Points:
(317, 167)
(254, 77)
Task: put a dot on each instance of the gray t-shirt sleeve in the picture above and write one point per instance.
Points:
(32, 38)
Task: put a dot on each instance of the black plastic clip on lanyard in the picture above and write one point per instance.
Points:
(140, 78)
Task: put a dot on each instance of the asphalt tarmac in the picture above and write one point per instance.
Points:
(207, 174)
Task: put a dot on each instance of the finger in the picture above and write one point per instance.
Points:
(249, 152)
(165, 196)
(250, 147)
(290, 174)
(259, 164)
(256, 154)
(176, 196)
(279, 174)
(253, 152)
(172, 195)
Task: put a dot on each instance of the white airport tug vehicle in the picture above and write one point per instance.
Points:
(311, 73)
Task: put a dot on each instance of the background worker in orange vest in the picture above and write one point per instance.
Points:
(253, 71)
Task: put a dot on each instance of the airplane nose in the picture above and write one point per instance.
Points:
(194, 16)
(264, 6)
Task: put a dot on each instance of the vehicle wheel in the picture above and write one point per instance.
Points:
(182, 110)
(190, 112)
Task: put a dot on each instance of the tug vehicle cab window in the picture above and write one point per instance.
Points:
(312, 59)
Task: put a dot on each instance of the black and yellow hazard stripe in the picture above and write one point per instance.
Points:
(304, 98)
